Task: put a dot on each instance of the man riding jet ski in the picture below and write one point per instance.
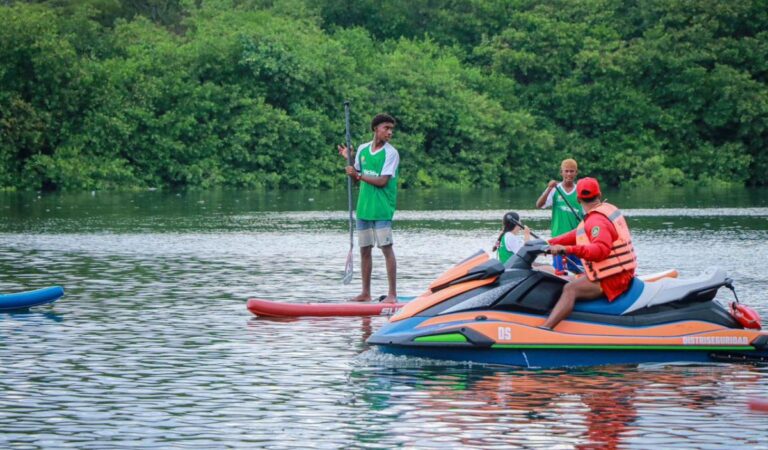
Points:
(485, 311)
(603, 242)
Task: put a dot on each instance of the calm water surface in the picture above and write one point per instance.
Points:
(152, 346)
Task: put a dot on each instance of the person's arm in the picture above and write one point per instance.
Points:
(352, 171)
(374, 180)
(568, 238)
(391, 162)
(514, 243)
(342, 151)
(600, 244)
(541, 202)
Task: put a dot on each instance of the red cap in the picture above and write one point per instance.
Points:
(587, 188)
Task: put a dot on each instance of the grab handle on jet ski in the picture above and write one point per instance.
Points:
(729, 285)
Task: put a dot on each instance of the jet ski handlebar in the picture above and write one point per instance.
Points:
(527, 254)
(548, 250)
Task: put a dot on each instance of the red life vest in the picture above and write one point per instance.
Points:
(622, 256)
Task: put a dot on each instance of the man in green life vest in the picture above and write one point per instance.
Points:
(376, 169)
(561, 197)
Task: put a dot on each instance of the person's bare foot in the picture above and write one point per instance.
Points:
(361, 298)
(388, 299)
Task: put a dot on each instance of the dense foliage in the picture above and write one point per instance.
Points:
(108, 94)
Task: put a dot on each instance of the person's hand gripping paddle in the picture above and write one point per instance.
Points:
(348, 266)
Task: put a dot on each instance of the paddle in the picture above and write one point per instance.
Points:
(565, 199)
(514, 222)
(575, 213)
(519, 224)
(348, 266)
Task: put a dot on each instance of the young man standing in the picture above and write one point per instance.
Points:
(376, 169)
(561, 197)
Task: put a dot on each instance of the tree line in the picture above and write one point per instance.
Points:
(108, 94)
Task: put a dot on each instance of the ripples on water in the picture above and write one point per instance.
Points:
(152, 345)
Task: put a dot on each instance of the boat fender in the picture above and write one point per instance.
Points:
(746, 316)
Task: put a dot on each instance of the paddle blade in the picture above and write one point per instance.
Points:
(348, 269)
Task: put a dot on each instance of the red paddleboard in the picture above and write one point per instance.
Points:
(267, 308)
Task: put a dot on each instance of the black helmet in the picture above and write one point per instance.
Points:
(510, 220)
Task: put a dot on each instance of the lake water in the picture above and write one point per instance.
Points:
(152, 346)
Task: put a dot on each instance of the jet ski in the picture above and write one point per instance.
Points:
(487, 312)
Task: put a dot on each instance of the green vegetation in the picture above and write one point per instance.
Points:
(108, 94)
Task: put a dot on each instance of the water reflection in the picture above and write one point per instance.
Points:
(223, 210)
(33, 315)
(476, 407)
